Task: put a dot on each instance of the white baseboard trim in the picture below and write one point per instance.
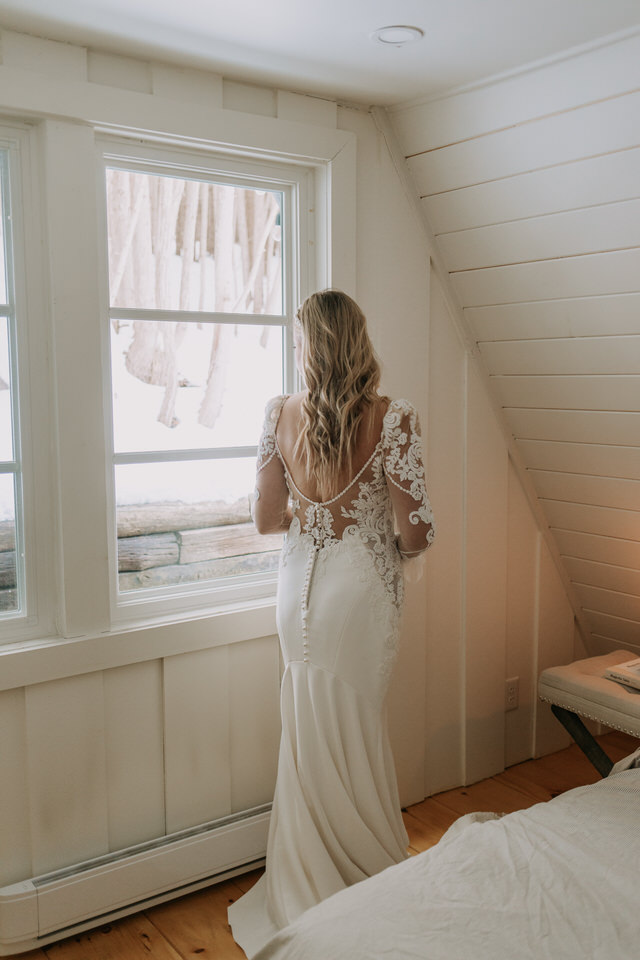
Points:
(42, 909)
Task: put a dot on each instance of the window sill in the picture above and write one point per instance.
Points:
(53, 658)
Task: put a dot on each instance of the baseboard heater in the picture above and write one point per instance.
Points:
(46, 908)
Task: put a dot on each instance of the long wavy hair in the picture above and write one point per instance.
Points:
(342, 375)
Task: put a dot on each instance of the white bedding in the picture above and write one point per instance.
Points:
(557, 881)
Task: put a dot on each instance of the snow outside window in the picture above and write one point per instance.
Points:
(201, 293)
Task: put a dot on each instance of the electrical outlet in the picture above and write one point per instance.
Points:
(511, 693)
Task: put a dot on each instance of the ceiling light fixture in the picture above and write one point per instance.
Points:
(397, 35)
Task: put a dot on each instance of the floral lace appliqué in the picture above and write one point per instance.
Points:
(404, 465)
(267, 445)
(366, 503)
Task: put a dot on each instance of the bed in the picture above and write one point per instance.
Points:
(559, 881)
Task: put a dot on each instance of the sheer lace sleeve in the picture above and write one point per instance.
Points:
(267, 445)
(271, 497)
(404, 470)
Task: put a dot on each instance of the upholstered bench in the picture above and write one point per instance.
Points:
(580, 689)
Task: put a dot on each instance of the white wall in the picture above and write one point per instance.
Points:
(392, 286)
(496, 607)
(530, 184)
(85, 722)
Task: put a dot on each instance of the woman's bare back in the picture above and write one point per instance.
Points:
(288, 430)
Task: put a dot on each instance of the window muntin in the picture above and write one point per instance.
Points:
(12, 567)
(192, 370)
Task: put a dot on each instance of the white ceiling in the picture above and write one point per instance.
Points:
(324, 48)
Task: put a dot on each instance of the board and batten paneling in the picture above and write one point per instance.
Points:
(15, 829)
(523, 551)
(133, 702)
(99, 762)
(555, 646)
(66, 768)
(196, 716)
(486, 498)
(222, 727)
(533, 202)
(444, 761)
(496, 607)
(396, 304)
(254, 721)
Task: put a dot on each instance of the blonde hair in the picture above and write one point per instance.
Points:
(342, 374)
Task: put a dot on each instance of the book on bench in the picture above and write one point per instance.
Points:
(627, 673)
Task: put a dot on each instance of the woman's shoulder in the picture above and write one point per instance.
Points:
(401, 423)
(273, 409)
(400, 408)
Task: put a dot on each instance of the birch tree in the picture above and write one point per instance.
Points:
(228, 243)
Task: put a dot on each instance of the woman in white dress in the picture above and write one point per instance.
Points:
(337, 464)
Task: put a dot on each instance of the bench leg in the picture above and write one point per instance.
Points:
(589, 746)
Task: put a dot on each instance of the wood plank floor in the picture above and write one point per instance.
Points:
(196, 925)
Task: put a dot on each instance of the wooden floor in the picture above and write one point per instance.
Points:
(196, 925)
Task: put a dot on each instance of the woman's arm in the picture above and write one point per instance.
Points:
(404, 469)
(270, 510)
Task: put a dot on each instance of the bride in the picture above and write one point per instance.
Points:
(339, 471)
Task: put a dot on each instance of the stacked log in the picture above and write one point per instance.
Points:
(160, 544)
(8, 595)
(169, 543)
(7, 535)
(164, 517)
(195, 572)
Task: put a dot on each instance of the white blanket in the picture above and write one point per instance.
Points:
(557, 881)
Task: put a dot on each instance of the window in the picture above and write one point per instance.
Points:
(12, 567)
(204, 276)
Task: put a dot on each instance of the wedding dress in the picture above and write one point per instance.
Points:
(336, 814)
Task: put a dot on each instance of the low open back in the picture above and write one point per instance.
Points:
(394, 465)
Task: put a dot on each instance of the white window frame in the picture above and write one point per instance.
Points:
(35, 615)
(9, 313)
(55, 122)
(297, 184)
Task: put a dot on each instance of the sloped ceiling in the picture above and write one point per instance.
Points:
(531, 186)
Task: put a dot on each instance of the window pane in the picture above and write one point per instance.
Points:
(189, 245)
(179, 386)
(188, 522)
(6, 430)
(8, 573)
(3, 212)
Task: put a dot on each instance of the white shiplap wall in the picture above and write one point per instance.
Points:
(531, 186)
(104, 744)
(114, 738)
(97, 762)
